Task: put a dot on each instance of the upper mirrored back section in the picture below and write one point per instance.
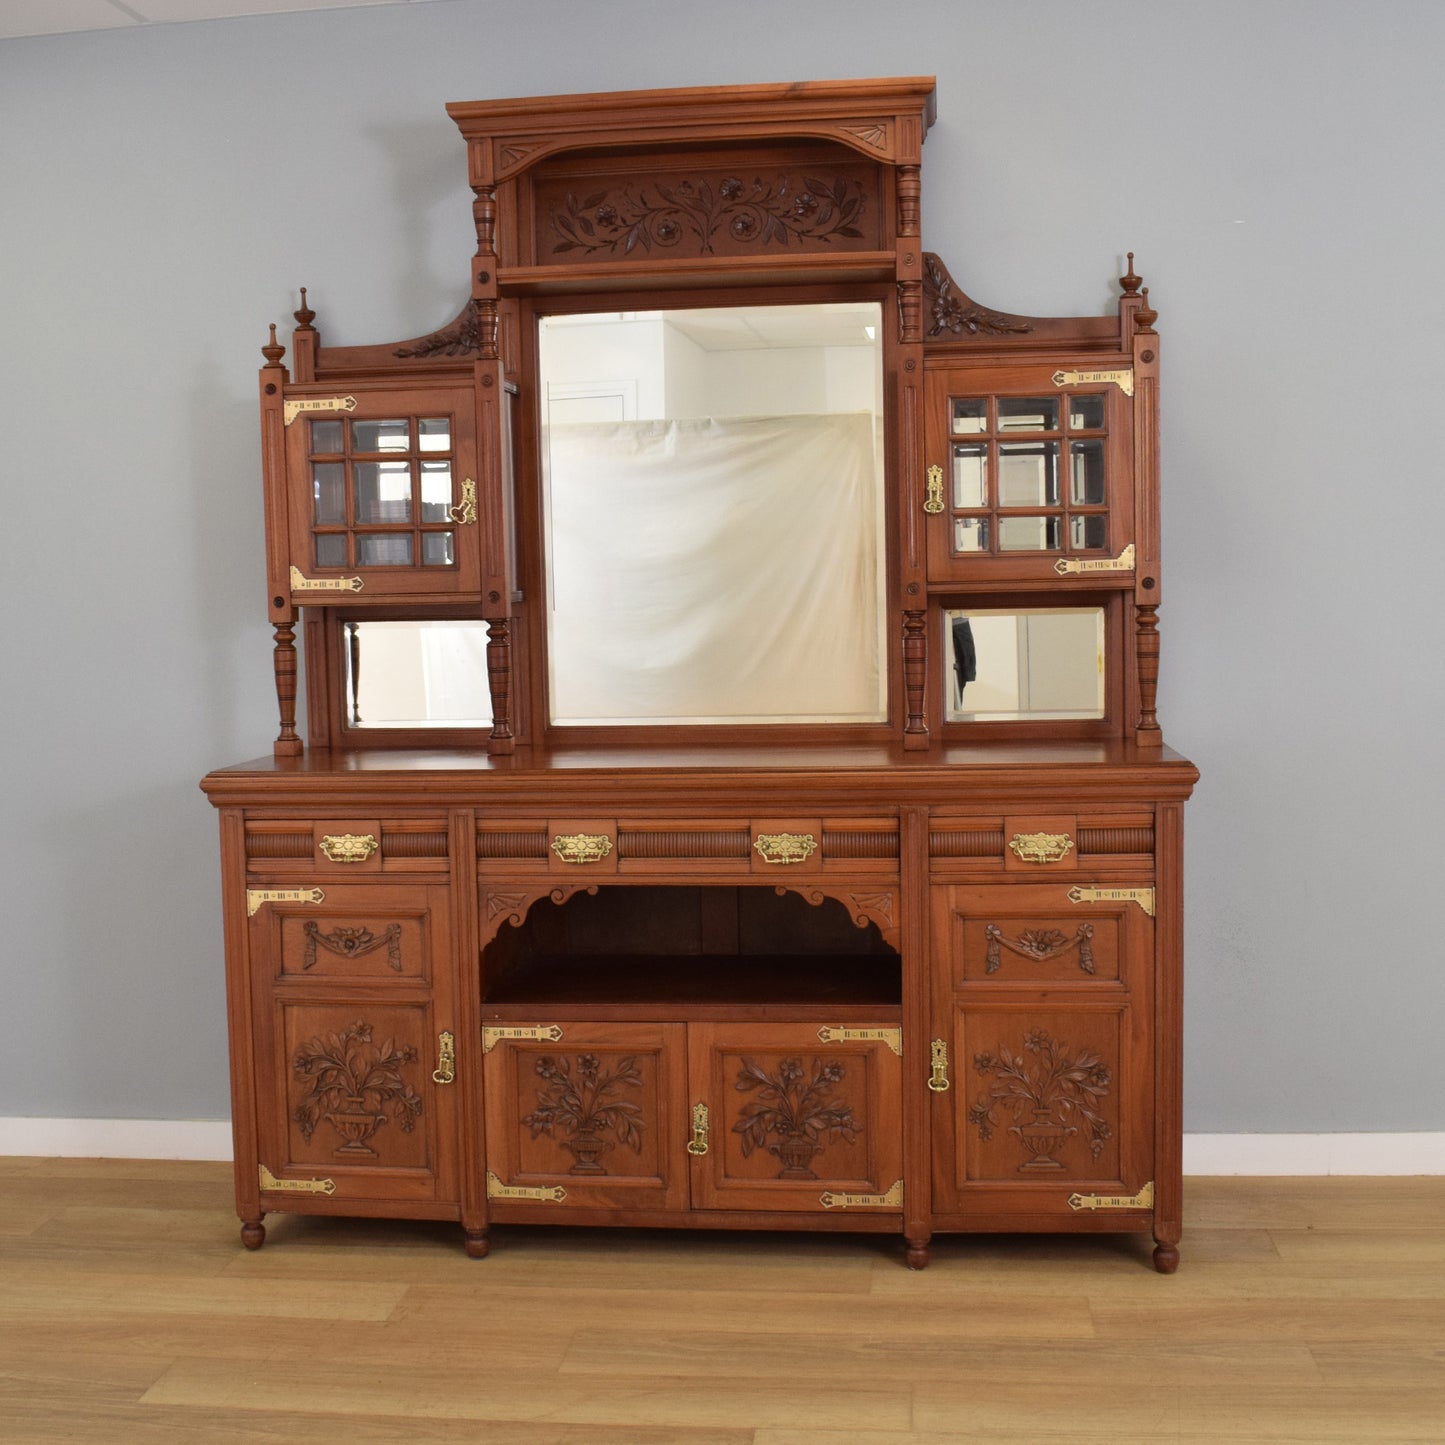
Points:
(713, 507)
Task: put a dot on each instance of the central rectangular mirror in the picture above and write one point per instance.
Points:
(713, 509)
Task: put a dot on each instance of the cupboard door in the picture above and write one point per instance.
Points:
(356, 1046)
(1030, 472)
(799, 1117)
(1045, 1009)
(382, 497)
(586, 1115)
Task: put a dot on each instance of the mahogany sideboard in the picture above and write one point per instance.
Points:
(568, 909)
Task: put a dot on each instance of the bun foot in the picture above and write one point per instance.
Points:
(253, 1233)
(917, 1255)
(478, 1246)
(1166, 1258)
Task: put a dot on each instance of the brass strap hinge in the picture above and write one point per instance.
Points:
(1077, 566)
(1144, 897)
(1123, 378)
(492, 1036)
(270, 1184)
(255, 897)
(551, 1194)
(290, 410)
(892, 1037)
(938, 1066)
(892, 1200)
(300, 582)
(1144, 1199)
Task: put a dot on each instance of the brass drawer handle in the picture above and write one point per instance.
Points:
(349, 847)
(446, 1069)
(785, 847)
(1040, 847)
(698, 1143)
(582, 847)
(938, 1073)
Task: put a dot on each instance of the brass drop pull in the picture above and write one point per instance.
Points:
(446, 1069)
(466, 513)
(698, 1143)
(938, 1076)
(349, 847)
(933, 502)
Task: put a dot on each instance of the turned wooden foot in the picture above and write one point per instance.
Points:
(253, 1233)
(478, 1246)
(1166, 1258)
(917, 1256)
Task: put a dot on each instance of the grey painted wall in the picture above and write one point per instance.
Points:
(1277, 168)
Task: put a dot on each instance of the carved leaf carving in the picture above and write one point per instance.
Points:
(795, 1110)
(462, 337)
(579, 1100)
(356, 1086)
(952, 311)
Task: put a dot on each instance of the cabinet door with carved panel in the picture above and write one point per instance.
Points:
(804, 1117)
(1044, 1072)
(382, 498)
(356, 1046)
(585, 1115)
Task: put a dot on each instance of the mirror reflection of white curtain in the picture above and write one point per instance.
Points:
(718, 569)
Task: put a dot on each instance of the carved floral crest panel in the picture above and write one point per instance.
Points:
(767, 207)
(354, 945)
(1037, 948)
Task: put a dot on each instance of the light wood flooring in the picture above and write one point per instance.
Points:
(1304, 1311)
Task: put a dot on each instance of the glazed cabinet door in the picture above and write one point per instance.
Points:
(1043, 1080)
(1029, 474)
(585, 1115)
(355, 1036)
(799, 1117)
(381, 495)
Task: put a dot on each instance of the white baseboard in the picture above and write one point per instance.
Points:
(1260, 1154)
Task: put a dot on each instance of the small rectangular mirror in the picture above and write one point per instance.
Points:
(417, 674)
(1041, 663)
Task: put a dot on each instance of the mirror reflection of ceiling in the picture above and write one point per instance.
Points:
(754, 328)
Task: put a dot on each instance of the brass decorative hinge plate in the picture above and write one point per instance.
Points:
(582, 847)
(892, 1037)
(785, 847)
(466, 514)
(1144, 897)
(1144, 1199)
(552, 1194)
(446, 1069)
(290, 410)
(300, 582)
(272, 1185)
(1040, 847)
(892, 1200)
(1078, 566)
(349, 847)
(933, 498)
(1123, 378)
(493, 1035)
(255, 897)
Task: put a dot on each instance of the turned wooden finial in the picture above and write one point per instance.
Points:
(1145, 317)
(1130, 282)
(273, 351)
(305, 316)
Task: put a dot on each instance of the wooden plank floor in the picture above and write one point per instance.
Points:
(1306, 1310)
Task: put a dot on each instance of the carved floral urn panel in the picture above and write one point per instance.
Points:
(358, 1079)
